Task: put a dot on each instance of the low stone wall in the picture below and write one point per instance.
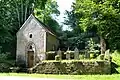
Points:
(74, 67)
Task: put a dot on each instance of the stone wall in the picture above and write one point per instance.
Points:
(30, 27)
(51, 42)
(74, 67)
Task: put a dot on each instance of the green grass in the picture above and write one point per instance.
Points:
(68, 77)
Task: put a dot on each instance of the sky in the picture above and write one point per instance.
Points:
(63, 5)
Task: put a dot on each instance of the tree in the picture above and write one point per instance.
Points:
(46, 14)
(14, 13)
(102, 16)
(78, 37)
(72, 20)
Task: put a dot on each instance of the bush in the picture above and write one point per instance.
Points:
(3, 57)
(6, 62)
(81, 56)
(116, 57)
(6, 56)
(91, 55)
(101, 57)
(116, 61)
(5, 65)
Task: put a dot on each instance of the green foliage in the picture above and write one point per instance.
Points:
(14, 13)
(5, 65)
(72, 40)
(3, 57)
(5, 21)
(92, 56)
(81, 56)
(101, 57)
(116, 60)
(116, 57)
(46, 14)
(12, 16)
(90, 45)
(71, 19)
(101, 16)
(91, 48)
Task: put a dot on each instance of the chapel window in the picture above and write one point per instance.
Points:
(30, 47)
(30, 36)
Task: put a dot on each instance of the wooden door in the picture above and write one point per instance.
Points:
(30, 58)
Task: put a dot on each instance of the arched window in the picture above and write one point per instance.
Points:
(30, 47)
(30, 36)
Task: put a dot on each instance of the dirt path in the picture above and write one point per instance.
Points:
(24, 78)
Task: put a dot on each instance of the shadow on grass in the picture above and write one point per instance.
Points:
(113, 68)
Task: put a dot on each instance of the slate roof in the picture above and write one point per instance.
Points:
(46, 27)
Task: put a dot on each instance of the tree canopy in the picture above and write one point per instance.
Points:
(88, 18)
(13, 13)
(101, 16)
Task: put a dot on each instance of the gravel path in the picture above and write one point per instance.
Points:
(24, 78)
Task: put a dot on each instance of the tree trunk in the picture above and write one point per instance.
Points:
(102, 45)
(22, 12)
(18, 15)
(26, 9)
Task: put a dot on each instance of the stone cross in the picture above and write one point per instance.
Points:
(76, 54)
(59, 53)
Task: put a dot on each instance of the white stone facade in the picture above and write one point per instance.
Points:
(32, 35)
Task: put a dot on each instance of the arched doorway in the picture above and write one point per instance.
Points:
(30, 52)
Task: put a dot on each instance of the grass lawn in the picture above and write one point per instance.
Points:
(68, 77)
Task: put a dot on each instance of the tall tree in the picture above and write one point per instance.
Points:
(13, 14)
(78, 38)
(46, 14)
(72, 20)
(103, 16)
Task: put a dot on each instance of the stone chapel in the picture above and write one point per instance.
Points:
(34, 38)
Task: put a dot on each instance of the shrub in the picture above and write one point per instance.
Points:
(3, 57)
(101, 57)
(5, 65)
(6, 56)
(81, 56)
(116, 57)
(116, 61)
(91, 55)
(6, 62)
